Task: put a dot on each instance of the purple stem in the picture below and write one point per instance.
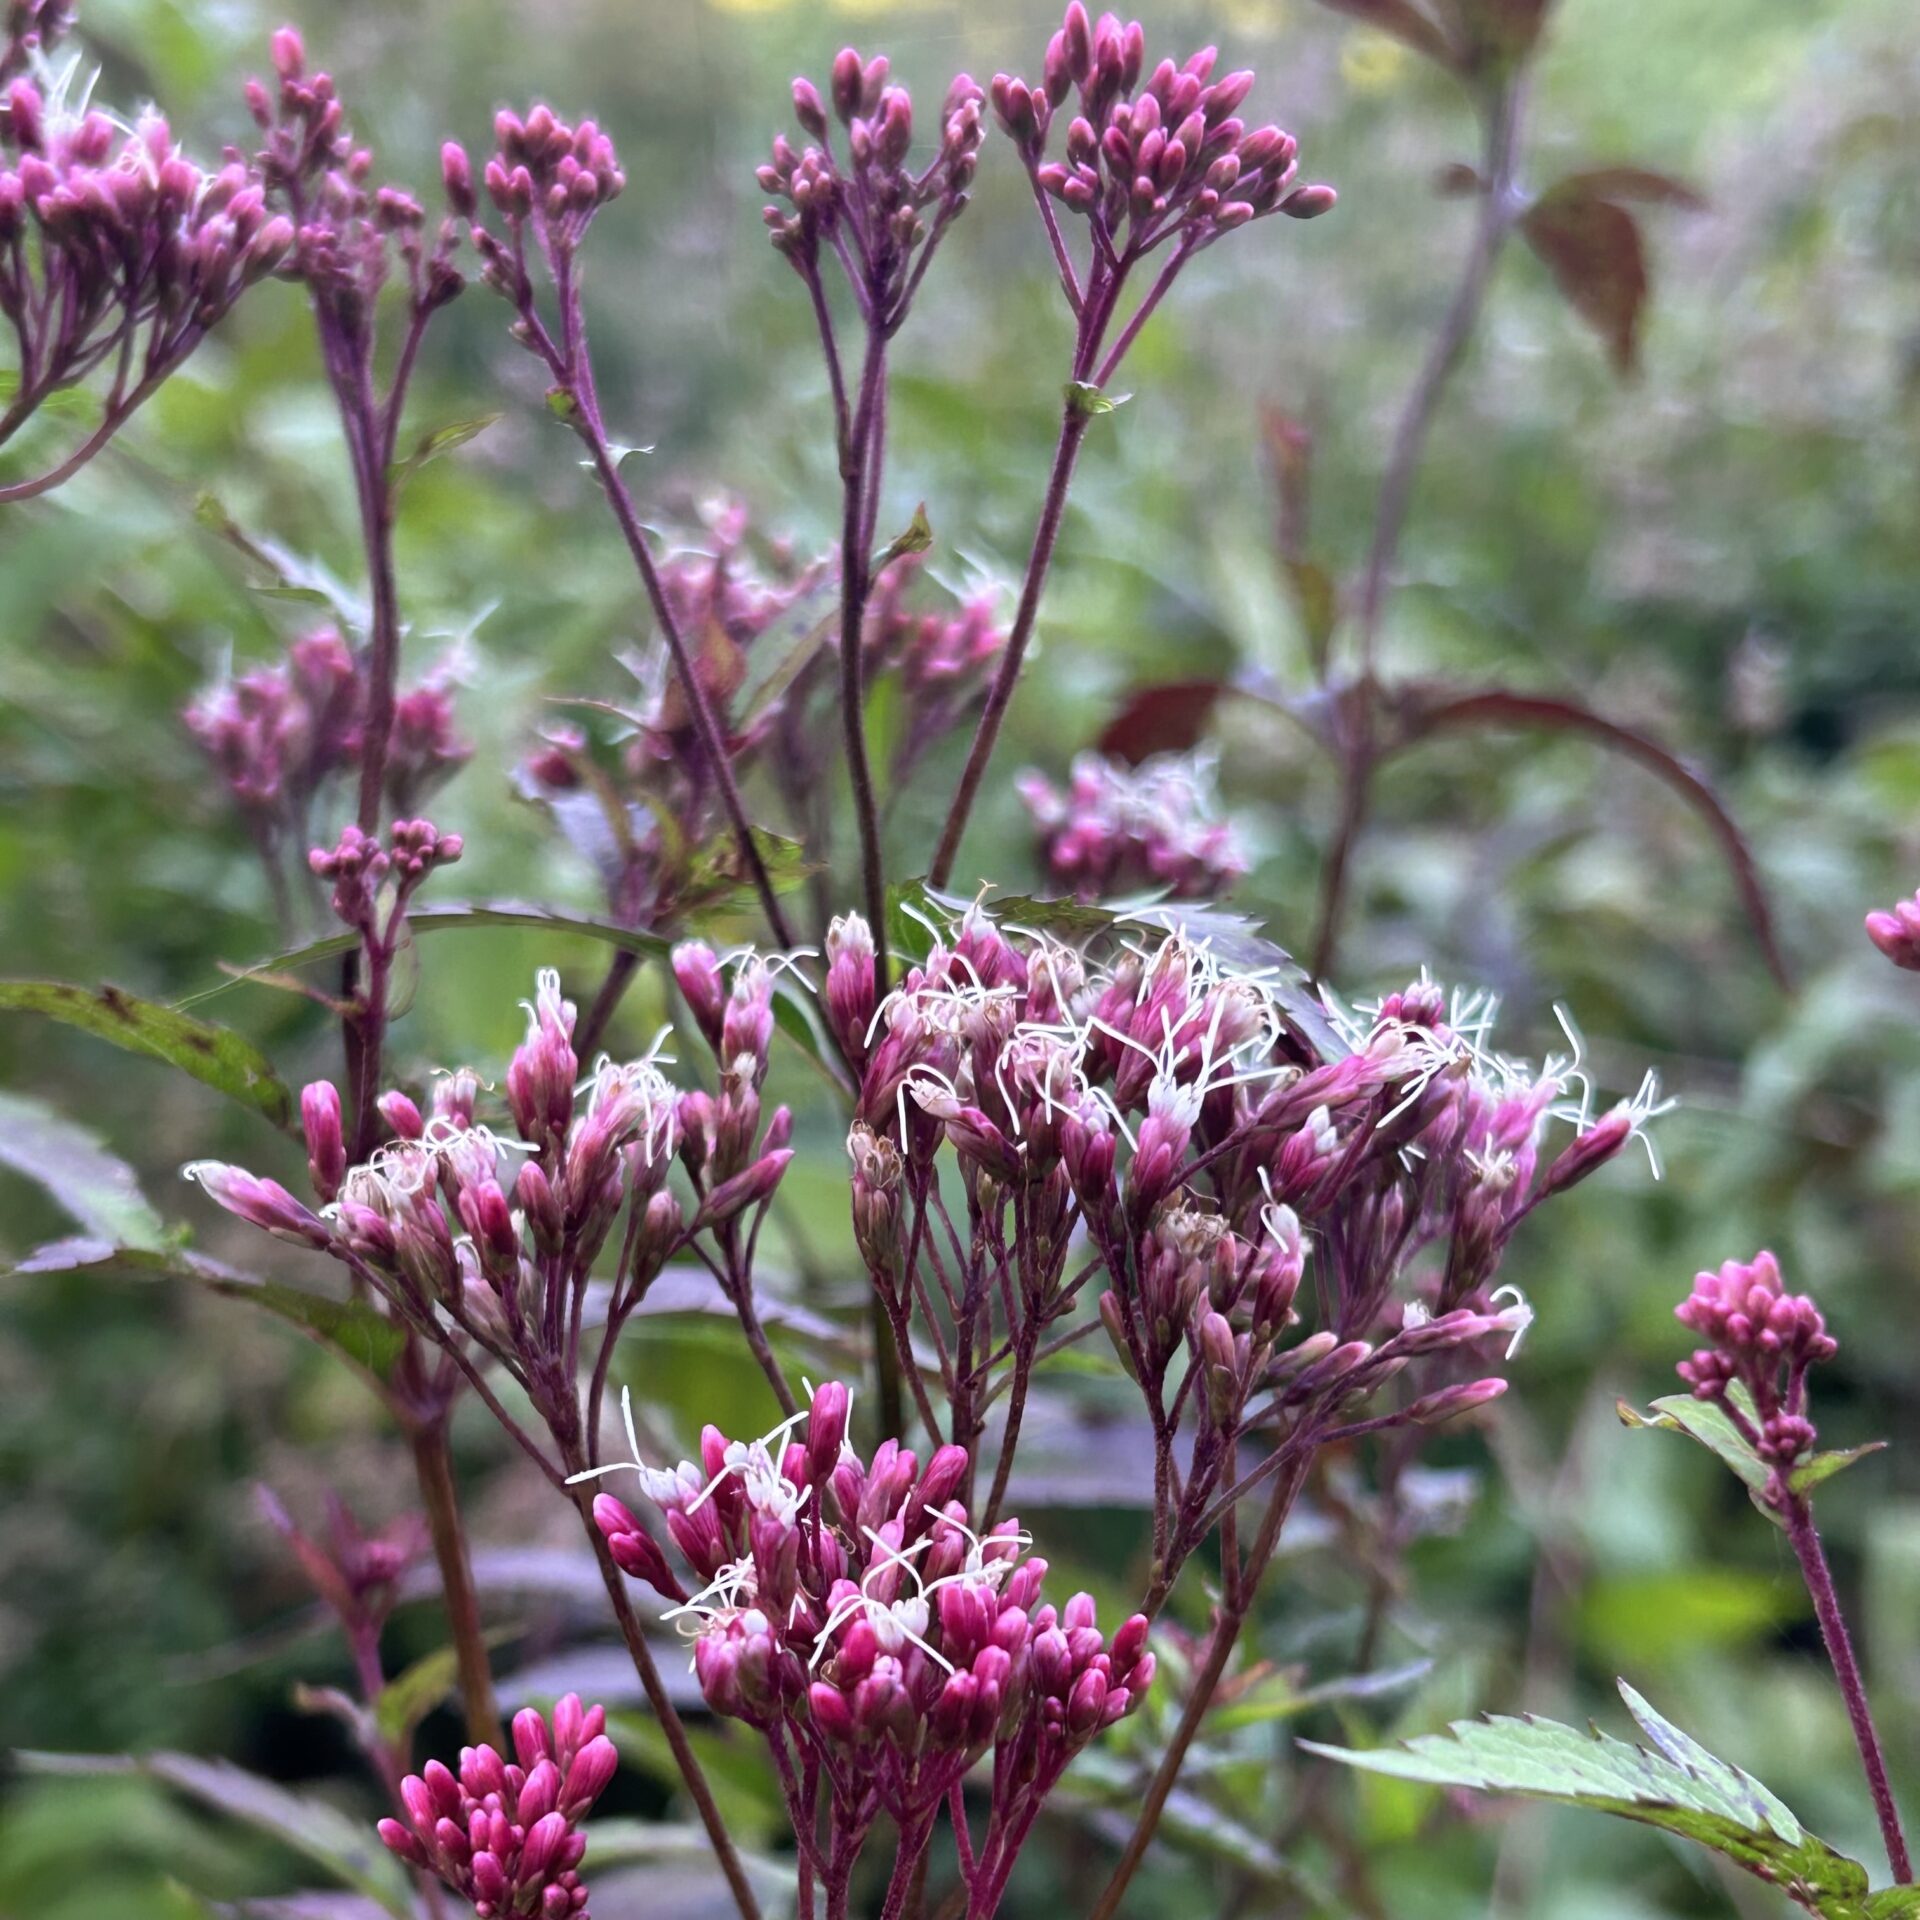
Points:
(433, 1466)
(1797, 1512)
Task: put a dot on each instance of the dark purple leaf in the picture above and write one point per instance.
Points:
(1594, 251)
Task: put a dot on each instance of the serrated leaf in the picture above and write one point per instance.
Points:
(99, 1191)
(439, 440)
(349, 1329)
(1678, 1786)
(345, 1847)
(456, 915)
(216, 1056)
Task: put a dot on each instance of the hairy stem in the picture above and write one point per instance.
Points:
(1805, 1539)
(433, 1466)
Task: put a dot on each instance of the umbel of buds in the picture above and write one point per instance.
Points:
(870, 207)
(848, 1607)
(1760, 1342)
(117, 250)
(504, 1834)
(1147, 162)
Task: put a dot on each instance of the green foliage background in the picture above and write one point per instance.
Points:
(1726, 550)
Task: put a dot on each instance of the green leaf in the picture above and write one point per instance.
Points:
(433, 444)
(1821, 1467)
(349, 1329)
(457, 915)
(412, 1694)
(289, 575)
(1705, 1421)
(716, 875)
(344, 1847)
(1678, 1786)
(562, 405)
(1091, 401)
(215, 1056)
(98, 1190)
(917, 538)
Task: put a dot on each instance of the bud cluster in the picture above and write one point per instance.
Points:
(118, 250)
(880, 216)
(1145, 163)
(504, 1834)
(848, 1611)
(1763, 1339)
(275, 734)
(1119, 829)
(346, 229)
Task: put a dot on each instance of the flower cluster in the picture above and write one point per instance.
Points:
(1117, 829)
(1896, 932)
(1760, 1342)
(879, 217)
(346, 230)
(118, 251)
(850, 1613)
(503, 1834)
(1144, 164)
(1207, 1127)
(275, 734)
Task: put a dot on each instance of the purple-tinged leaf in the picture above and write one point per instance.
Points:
(1426, 710)
(1171, 716)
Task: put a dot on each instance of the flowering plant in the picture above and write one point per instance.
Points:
(1126, 1134)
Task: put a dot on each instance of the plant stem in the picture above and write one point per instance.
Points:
(1073, 429)
(1502, 123)
(1226, 1635)
(664, 1711)
(1805, 1538)
(861, 454)
(433, 1465)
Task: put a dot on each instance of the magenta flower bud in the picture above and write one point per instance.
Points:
(456, 175)
(593, 1767)
(697, 970)
(826, 1430)
(402, 1116)
(531, 1743)
(847, 84)
(1087, 1704)
(1897, 933)
(1309, 203)
(262, 1203)
(289, 54)
(398, 1840)
(326, 1146)
(945, 1475)
(545, 1832)
(1434, 1409)
(808, 108)
(744, 1190)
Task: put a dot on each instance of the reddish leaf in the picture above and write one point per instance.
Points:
(1168, 718)
(1405, 22)
(1501, 31)
(1635, 183)
(1594, 252)
(1428, 710)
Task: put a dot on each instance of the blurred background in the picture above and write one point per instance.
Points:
(1723, 549)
